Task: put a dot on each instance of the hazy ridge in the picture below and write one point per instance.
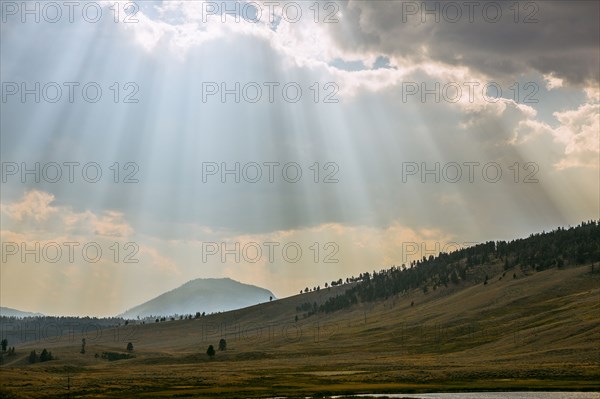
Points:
(10, 312)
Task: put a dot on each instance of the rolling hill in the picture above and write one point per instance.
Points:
(201, 295)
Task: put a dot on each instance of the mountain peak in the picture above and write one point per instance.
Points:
(202, 295)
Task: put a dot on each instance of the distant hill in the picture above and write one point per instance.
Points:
(10, 312)
(202, 295)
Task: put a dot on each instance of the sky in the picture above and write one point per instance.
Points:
(282, 144)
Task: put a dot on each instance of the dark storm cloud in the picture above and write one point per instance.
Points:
(559, 37)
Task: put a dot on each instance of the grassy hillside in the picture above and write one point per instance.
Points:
(538, 331)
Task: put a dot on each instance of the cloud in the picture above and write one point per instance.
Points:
(36, 211)
(578, 133)
(35, 205)
(526, 38)
(501, 48)
(159, 261)
(552, 82)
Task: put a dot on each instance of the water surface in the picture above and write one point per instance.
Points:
(489, 395)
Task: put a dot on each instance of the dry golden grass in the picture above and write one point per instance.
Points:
(535, 332)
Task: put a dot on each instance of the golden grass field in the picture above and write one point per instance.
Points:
(540, 332)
